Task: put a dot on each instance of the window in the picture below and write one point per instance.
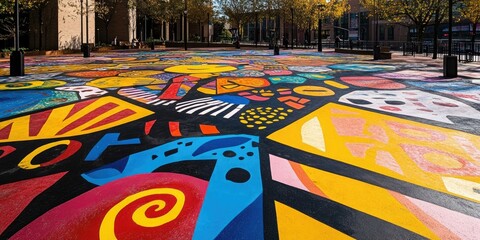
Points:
(390, 33)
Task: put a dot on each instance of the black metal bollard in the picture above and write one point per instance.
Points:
(17, 63)
(86, 50)
(450, 67)
(276, 50)
(376, 52)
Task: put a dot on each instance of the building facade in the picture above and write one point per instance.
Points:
(58, 25)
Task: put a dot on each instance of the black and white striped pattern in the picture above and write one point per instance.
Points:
(144, 97)
(210, 106)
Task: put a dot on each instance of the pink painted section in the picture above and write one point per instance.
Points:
(385, 159)
(373, 82)
(283, 172)
(469, 147)
(358, 149)
(466, 227)
(378, 133)
(441, 231)
(349, 126)
(417, 153)
(427, 134)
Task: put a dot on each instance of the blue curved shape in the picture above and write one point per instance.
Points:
(232, 99)
(219, 143)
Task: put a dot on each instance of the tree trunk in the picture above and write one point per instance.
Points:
(421, 30)
(40, 17)
(435, 32)
(200, 30)
(474, 33)
(106, 31)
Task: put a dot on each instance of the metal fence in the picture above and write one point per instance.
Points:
(466, 51)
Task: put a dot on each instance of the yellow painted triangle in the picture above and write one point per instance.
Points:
(293, 224)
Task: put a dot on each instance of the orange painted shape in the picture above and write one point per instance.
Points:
(174, 129)
(294, 105)
(209, 129)
(287, 98)
(305, 179)
(303, 101)
(232, 84)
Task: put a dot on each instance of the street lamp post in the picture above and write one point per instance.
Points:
(81, 25)
(86, 48)
(185, 25)
(291, 30)
(376, 48)
(208, 29)
(321, 8)
(450, 68)
(17, 62)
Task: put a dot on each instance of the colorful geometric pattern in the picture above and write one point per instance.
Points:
(72, 120)
(413, 152)
(238, 145)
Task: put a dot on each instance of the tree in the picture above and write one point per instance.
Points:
(7, 23)
(238, 11)
(441, 11)
(105, 10)
(471, 12)
(408, 12)
(198, 10)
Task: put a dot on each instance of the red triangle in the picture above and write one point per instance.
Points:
(14, 197)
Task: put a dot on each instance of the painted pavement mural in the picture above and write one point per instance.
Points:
(238, 145)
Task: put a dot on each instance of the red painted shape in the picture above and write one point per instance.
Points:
(171, 92)
(72, 148)
(208, 129)
(89, 116)
(86, 212)
(37, 120)
(115, 117)
(174, 129)
(79, 106)
(14, 197)
(5, 132)
(6, 150)
(148, 126)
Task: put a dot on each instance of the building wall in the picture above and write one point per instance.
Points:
(60, 25)
(69, 25)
